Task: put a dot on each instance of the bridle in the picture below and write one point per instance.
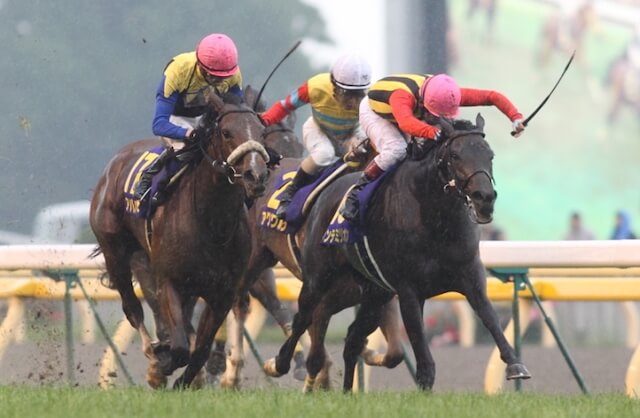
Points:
(225, 167)
(447, 173)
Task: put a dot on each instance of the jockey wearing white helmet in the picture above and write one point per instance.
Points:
(334, 98)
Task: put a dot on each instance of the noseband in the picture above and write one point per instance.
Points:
(448, 175)
(225, 167)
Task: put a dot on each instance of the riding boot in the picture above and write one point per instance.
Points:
(144, 184)
(301, 179)
(351, 207)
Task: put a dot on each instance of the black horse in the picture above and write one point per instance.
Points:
(423, 239)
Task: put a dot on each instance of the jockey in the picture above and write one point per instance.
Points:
(334, 99)
(182, 94)
(393, 112)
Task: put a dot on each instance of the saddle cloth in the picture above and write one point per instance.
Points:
(144, 209)
(303, 199)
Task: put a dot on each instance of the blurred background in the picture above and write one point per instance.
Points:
(79, 81)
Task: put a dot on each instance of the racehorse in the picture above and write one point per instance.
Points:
(623, 78)
(270, 246)
(281, 138)
(566, 30)
(200, 240)
(421, 231)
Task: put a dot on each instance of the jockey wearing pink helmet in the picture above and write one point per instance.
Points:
(395, 110)
(182, 94)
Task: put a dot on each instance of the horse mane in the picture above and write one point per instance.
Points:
(205, 130)
(418, 149)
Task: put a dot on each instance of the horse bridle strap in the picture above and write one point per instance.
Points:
(444, 166)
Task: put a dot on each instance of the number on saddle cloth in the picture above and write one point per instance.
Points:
(295, 216)
(145, 208)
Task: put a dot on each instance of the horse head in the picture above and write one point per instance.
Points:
(465, 165)
(234, 145)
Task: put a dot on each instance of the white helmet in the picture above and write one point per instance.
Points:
(351, 72)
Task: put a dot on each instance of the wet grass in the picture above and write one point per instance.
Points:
(87, 403)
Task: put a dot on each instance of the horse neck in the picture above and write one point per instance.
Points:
(212, 197)
(420, 184)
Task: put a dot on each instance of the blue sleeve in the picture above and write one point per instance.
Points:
(237, 90)
(164, 109)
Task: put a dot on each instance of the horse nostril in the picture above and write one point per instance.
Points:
(477, 195)
(249, 176)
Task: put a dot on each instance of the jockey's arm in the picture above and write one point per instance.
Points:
(164, 109)
(280, 109)
(476, 97)
(402, 105)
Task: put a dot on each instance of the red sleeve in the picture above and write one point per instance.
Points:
(402, 104)
(475, 97)
(282, 108)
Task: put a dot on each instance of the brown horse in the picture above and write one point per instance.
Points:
(282, 140)
(422, 240)
(566, 30)
(200, 243)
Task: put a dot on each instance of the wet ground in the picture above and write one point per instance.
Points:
(458, 369)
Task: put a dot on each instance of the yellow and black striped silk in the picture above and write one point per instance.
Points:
(382, 89)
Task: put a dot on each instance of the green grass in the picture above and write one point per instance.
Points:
(88, 403)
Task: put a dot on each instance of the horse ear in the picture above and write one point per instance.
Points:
(291, 119)
(480, 122)
(250, 95)
(216, 102)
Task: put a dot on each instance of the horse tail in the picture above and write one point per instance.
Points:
(103, 277)
(96, 252)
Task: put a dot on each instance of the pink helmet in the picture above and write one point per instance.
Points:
(217, 55)
(441, 96)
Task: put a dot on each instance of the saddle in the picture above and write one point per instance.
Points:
(301, 202)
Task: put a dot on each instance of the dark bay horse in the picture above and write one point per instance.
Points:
(282, 139)
(200, 243)
(270, 247)
(422, 233)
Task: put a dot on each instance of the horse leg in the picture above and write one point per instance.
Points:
(390, 327)
(172, 313)
(307, 301)
(142, 272)
(367, 320)
(411, 308)
(212, 318)
(264, 290)
(217, 363)
(233, 375)
(477, 297)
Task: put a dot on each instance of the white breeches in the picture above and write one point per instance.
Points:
(386, 138)
(183, 122)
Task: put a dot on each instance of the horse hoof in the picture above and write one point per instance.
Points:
(217, 363)
(269, 368)
(230, 383)
(155, 378)
(180, 357)
(300, 373)
(517, 371)
(200, 381)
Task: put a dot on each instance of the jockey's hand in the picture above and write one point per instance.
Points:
(517, 127)
(262, 121)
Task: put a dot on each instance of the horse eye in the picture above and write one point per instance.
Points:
(226, 134)
(455, 156)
